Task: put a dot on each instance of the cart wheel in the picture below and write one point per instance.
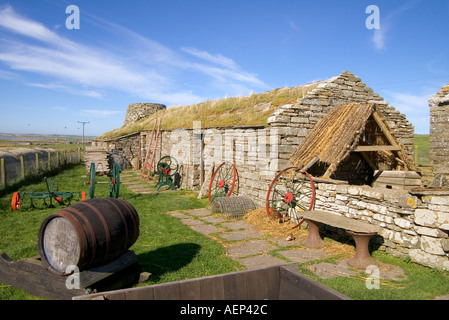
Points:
(290, 192)
(15, 202)
(92, 181)
(114, 186)
(224, 181)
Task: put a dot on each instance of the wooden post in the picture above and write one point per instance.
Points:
(49, 161)
(22, 168)
(2, 169)
(37, 163)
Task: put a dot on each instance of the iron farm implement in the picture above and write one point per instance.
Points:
(114, 181)
(52, 194)
(167, 168)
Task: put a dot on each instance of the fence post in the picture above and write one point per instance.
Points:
(37, 164)
(22, 168)
(2, 169)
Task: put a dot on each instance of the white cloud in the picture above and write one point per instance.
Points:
(415, 107)
(146, 72)
(408, 103)
(379, 39)
(224, 70)
(216, 59)
(99, 113)
(68, 89)
(292, 25)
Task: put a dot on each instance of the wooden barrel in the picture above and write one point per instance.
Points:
(88, 233)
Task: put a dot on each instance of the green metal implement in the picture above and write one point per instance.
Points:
(167, 168)
(114, 181)
(52, 194)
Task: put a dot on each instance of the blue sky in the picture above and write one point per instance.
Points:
(184, 52)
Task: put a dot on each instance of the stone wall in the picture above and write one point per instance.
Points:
(129, 146)
(439, 132)
(413, 225)
(296, 120)
(138, 111)
(253, 150)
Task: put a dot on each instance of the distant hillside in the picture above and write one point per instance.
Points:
(45, 141)
(422, 147)
(42, 137)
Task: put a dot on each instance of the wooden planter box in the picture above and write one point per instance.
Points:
(282, 282)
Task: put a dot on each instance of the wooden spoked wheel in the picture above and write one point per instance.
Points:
(290, 192)
(15, 202)
(224, 181)
(114, 185)
(92, 181)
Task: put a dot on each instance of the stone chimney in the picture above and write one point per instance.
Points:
(138, 111)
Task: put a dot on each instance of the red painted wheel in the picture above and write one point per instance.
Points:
(15, 202)
(290, 192)
(224, 181)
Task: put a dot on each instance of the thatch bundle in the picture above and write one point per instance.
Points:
(334, 136)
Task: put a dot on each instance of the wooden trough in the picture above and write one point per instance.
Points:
(281, 282)
(403, 180)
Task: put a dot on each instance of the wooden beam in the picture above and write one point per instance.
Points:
(376, 148)
(378, 118)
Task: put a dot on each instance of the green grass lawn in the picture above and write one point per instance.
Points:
(166, 248)
(422, 146)
(171, 251)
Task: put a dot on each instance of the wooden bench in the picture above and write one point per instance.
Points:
(359, 230)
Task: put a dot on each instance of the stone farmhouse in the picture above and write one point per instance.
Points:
(365, 148)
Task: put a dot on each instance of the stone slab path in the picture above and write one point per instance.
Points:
(251, 248)
(133, 180)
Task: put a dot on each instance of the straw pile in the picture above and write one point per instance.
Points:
(259, 219)
(334, 136)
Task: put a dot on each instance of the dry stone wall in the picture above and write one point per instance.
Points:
(296, 120)
(439, 130)
(253, 150)
(413, 225)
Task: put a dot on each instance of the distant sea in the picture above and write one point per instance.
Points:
(40, 137)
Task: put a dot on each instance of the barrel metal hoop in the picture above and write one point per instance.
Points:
(135, 219)
(105, 226)
(83, 240)
(125, 246)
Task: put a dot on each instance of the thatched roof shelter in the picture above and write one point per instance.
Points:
(351, 128)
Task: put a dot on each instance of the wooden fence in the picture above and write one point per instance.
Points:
(21, 165)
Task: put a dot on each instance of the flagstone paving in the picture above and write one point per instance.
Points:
(252, 249)
(244, 243)
(249, 246)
